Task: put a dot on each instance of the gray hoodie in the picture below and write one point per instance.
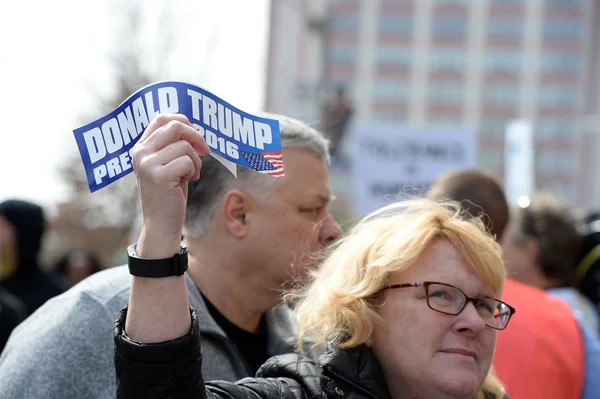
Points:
(65, 349)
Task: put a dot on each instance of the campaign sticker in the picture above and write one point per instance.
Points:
(234, 136)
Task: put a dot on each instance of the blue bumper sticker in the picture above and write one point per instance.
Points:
(234, 137)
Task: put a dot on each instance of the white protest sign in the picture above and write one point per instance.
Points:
(391, 161)
(518, 162)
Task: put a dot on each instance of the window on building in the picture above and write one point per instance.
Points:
(345, 23)
(501, 94)
(554, 128)
(555, 161)
(393, 56)
(505, 28)
(447, 59)
(387, 89)
(557, 96)
(447, 92)
(559, 62)
(562, 29)
(565, 2)
(503, 61)
(494, 127)
(449, 26)
(400, 24)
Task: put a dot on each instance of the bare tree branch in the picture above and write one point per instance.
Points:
(101, 221)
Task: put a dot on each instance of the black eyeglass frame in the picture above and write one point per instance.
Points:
(426, 284)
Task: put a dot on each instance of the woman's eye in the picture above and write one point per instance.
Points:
(485, 306)
(439, 294)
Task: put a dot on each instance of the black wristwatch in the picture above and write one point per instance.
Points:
(156, 268)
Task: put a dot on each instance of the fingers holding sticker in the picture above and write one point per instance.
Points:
(172, 131)
(165, 158)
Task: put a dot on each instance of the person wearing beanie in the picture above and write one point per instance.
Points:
(20, 244)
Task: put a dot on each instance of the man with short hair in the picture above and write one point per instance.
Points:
(541, 249)
(541, 355)
(260, 234)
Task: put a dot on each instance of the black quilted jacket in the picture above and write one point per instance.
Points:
(172, 369)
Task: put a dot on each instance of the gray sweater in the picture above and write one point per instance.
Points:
(65, 349)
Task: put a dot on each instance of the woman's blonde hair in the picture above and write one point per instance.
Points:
(338, 304)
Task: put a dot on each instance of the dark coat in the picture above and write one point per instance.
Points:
(172, 369)
(30, 283)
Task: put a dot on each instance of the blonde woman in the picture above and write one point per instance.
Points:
(405, 306)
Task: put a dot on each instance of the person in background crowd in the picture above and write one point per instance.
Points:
(542, 249)
(21, 240)
(247, 238)
(587, 273)
(76, 265)
(12, 309)
(542, 354)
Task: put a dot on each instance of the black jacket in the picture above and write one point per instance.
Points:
(172, 369)
(30, 283)
(12, 312)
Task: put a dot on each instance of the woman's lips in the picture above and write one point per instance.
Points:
(459, 351)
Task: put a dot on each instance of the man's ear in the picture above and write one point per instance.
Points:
(532, 249)
(236, 205)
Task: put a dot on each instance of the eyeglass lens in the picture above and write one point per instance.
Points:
(450, 300)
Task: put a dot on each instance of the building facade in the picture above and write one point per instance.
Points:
(473, 63)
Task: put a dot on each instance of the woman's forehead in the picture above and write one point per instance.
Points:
(441, 262)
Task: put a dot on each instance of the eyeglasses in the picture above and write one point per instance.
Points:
(447, 299)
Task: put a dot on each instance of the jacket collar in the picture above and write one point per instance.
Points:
(281, 326)
(357, 369)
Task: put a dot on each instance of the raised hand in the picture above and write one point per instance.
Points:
(164, 159)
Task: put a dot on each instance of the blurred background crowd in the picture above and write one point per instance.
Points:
(513, 84)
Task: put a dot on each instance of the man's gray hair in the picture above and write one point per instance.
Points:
(206, 194)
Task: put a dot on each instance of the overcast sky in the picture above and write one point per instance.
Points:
(54, 65)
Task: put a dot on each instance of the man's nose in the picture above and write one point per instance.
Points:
(330, 230)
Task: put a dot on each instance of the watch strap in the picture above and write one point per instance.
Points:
(157, 268)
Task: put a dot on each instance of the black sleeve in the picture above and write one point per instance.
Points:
(173, 369)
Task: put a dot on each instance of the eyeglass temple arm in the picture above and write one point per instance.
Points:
(415, 284)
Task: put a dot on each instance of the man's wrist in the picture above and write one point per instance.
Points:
(175, 265)
(154, 245)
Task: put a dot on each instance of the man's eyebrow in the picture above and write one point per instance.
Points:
(322, 197)
(326, 197)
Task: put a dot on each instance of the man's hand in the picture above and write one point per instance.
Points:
(164, 159)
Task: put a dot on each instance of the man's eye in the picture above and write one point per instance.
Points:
(311, 211)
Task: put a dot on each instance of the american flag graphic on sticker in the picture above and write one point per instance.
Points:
(269, 163)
